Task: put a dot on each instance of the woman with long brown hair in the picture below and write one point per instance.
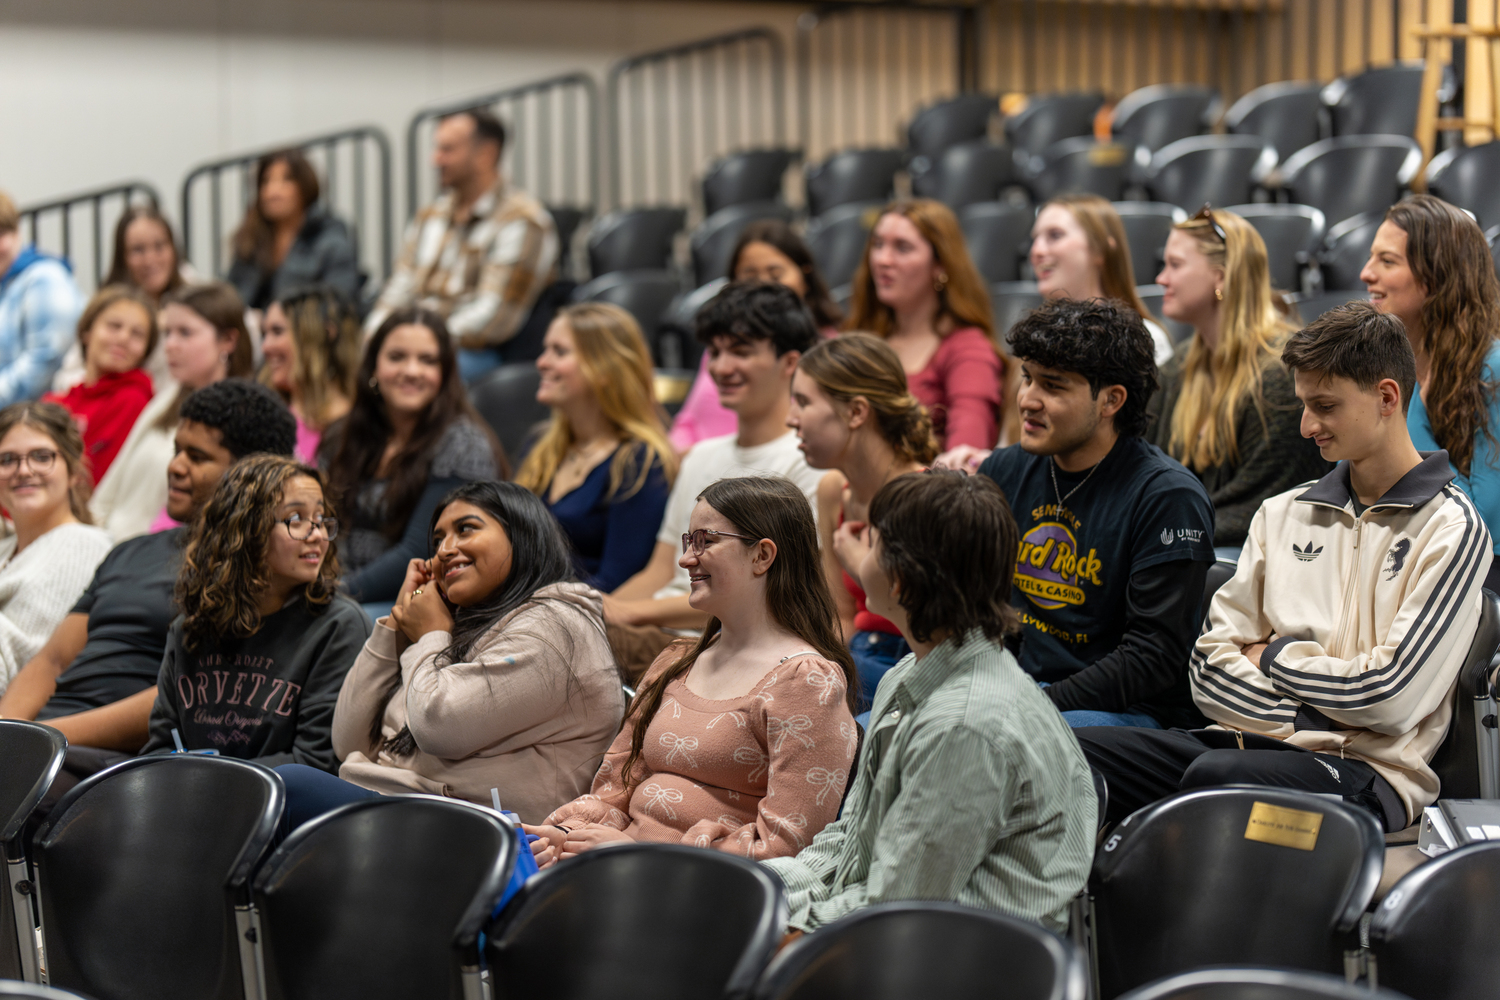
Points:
(1226, 407)
(1431, 268)
(288, 238)
(603, 466)
(917, 290)
(741, 741)
(254, 664)
(310, 343)
(410, 437)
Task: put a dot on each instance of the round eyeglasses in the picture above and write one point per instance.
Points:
(301, 530)
(39, 460)
(700, 539)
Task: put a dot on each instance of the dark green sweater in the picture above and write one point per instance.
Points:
(1273, 457)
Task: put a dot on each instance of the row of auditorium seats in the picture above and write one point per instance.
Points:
(160, 879)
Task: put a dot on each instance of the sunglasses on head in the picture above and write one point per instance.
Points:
(1207, 214)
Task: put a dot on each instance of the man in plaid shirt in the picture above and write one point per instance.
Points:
(480, 254)
(39, 307)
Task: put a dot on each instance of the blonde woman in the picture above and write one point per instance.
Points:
(604, 466)
(310, 342)
(1226, 408)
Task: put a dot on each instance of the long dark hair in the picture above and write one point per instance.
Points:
(796, 589)
(1448, 256)
(360, 443)
(119, 268)
(775, 233)
(539, 558)
(255, 239)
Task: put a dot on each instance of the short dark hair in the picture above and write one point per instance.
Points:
(249, 417)
(748, 311)
(1358, 342)
(487, 127)
(1103, 340)
(951, 542)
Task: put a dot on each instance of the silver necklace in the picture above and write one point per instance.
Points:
(1052, 468)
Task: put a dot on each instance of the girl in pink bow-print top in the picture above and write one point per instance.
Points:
(742, 741)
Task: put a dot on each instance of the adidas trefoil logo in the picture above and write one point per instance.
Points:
(1308, 554)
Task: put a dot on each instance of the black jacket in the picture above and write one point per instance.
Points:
(323, 253)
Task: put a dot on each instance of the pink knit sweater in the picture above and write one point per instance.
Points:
(756, 776)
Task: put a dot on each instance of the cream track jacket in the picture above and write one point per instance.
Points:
(1368, 618)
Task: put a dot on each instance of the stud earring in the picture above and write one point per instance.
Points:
(374, 385)
(1219, 294)
(940, 282)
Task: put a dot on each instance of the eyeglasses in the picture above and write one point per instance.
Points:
(700, 539)
(301, 530)
(1207, 213)
(40, 461)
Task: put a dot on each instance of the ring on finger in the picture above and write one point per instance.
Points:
(417, 592)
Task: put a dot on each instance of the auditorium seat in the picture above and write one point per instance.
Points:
(1147, 226)
(1433, 935)
(634, 239)
(1378, 101)
(853, 175)
(1181, 884)
(964, 174)
(32, 755)
(1009, 301)
(1288, 114)
(1213, 169)
(144, 874)
(1466, 762)
(1492, 237)
(907, 950)
(747, 176)
(1345, 250)
(1079, 166)
(644, 294)
(567, 219)
(998, 237)
(946, 123)
(677, 344)
(383, 898)
(1310, 306)
(712, 243)
(1156, 116)
(33, 991)
(1050, 118)
(1151, 297)
(1465, 176)
(1291, 233)
(1220, 573)
(1257, 984)
(837, 239)
(506, 399)
(1347, 175)
(638, 922)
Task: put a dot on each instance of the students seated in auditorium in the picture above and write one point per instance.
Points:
(969, 789)
(289, 239)
(1226, 408)
(740, 741)
(918, 290)
(254, 664)
(39, 307)
(1116, 537)
(492, 671)
(854, 416)
(604, 465)
(310, 341)
(95, 679)
(51, 548)
(116, 334)
(1325, 639)
(203, 329)
(481, 254)
(410, 438)
(768, 250)
(755, 335)
(1431, 268)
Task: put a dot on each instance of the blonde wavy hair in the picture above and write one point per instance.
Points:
(224, 569)
(614, 361)
(858, 365)
(1251, 333)
(326, 357)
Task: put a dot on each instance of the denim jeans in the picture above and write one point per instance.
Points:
(474, 365)
(1082, 718)
(874, 653)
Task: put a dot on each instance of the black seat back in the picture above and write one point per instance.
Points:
(1457, 760)
(1347, 175)
(1181, 884)
(899, 951)
(1080, 166)
(32, 755)
(506, 399)
(1433, 934)
(1345, 250)
(567, 219)
(746, 176)
(382, 898)
(1257, 984)
(646, 295)
(1220, 573)
(1288, 114)
(140, 868)
(1009, 301)
(647, 921)
(634, 239)
(1465, 176)
(853, 175)
(838, 237)
(1159, 115)
(998, 237)
(1218, 169)
(947, 123)
(713, 241)
(1379, 101)
(1049, 118)
(1287, 231)
(677, 344)
(32, 991)
(965, 174)
(1152, 297)
(1147, 226)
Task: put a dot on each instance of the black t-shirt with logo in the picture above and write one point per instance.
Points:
(1136, 510)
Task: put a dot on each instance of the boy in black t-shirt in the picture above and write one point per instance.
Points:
(1116, 537)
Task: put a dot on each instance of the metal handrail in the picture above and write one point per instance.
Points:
(95, 199)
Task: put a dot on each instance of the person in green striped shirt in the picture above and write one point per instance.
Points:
(970, 788)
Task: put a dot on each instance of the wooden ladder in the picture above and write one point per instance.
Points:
(1437, 37)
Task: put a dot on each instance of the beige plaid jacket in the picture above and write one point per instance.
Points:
(484, 275)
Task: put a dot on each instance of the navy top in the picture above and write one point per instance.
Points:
(612, 537)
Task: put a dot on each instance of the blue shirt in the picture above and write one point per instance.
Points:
(39, 309)
(612, 535)
(1482, 484)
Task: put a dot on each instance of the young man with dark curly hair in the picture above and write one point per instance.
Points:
(1115, 537)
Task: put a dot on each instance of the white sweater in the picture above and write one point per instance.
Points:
(134, 489)
(40, 586)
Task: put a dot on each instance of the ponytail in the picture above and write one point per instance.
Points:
(862, 365)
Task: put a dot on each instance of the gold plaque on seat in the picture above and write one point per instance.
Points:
(1285, 827)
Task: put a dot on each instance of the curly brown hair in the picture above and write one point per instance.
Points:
(224, 569)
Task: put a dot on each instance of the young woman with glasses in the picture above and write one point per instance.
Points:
(49, 555)
(742, 741)
(253, 665)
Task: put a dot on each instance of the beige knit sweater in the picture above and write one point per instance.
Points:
(40, 586)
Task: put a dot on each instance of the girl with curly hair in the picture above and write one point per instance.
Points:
(254, 662)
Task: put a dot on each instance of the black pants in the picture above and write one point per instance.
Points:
(1144, 765)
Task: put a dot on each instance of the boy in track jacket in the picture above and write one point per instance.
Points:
(1346, 623)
